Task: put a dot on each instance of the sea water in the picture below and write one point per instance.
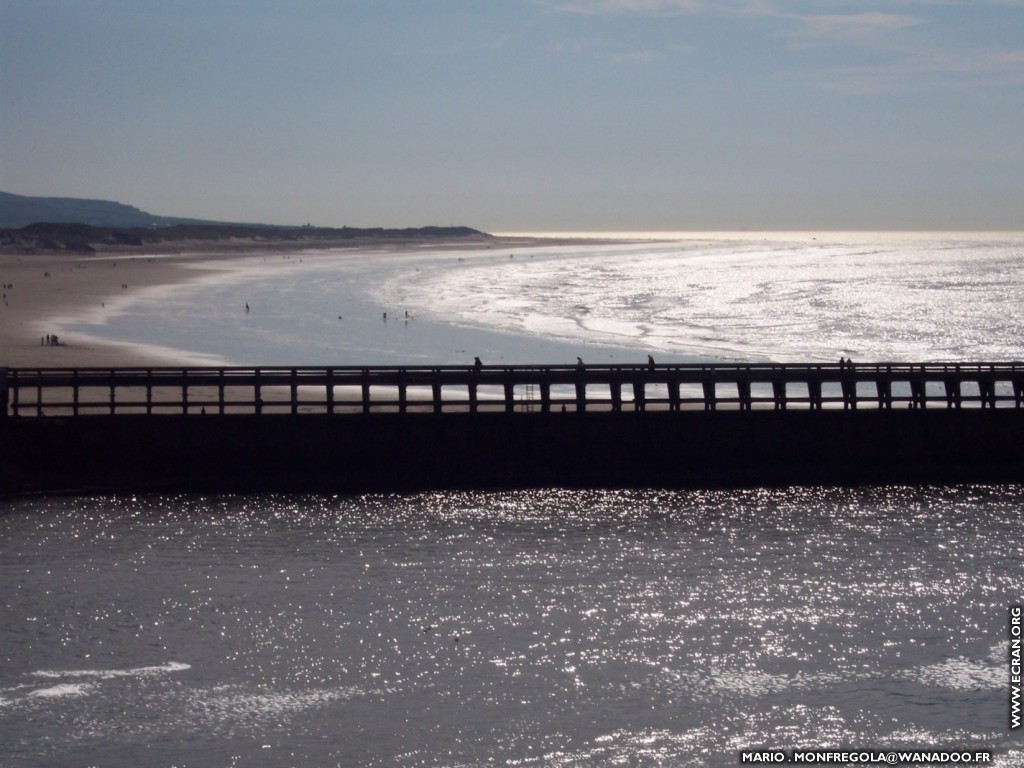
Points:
(533, 628)
(547, 627)
(782, 296)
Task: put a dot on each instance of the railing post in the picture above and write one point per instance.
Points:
(987, 391)
(113, 394)
(950, 385)
(743, 392)
(257, 398)
(779, 393)
(3, 393)
(184, 391)
(330, 392)
(849, 387)
(707, 386)
(581, 390)
(814, 393)
(883, 387)
(74, 393)
(295, 391)
(14, 399)
(509, 388)
(917, 391)
(435, 391)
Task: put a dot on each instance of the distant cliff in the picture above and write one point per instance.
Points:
(29, 224)
(19, 211)
(81, 238)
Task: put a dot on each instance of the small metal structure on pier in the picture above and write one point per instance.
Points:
(45, 392)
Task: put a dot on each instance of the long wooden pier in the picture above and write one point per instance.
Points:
(436, 389)
(494, 426)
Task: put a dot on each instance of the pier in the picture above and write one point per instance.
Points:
(488, 388)
(409, 427)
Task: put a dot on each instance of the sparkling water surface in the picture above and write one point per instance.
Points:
(780, 296)
(534, 628)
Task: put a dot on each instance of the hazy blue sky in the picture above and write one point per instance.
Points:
(523, 114)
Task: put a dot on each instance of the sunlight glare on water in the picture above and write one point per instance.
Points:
(783, 296)
(801, 297)
(548, 627)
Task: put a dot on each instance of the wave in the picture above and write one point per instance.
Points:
(107, 674)
(903, 298)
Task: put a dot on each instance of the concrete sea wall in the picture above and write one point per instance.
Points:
(410, 451)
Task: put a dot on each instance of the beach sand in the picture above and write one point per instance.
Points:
(47, 285)
(43, 286)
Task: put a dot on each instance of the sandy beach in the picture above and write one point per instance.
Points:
(41, 286)
(38, 287)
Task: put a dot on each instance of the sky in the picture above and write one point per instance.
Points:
(523, 115)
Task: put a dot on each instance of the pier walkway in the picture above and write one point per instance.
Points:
(513, 388)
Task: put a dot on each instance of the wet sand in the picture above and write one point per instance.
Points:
(48, 285)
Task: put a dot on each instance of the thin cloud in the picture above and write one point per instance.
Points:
(628, 7)
(860, 27)
(616, 52)
(831, 26)
(924, 70)
(580, 45)
(903, 63)
(778, 9)
(638, 57)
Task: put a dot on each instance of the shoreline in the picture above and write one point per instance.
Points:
(53, 288)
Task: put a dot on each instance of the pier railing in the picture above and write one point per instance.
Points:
(45, 392)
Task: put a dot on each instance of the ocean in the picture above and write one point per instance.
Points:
(546, 627)
(780, 296)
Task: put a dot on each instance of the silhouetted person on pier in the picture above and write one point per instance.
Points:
(579, 362)
(650, 360)
(476, 363)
